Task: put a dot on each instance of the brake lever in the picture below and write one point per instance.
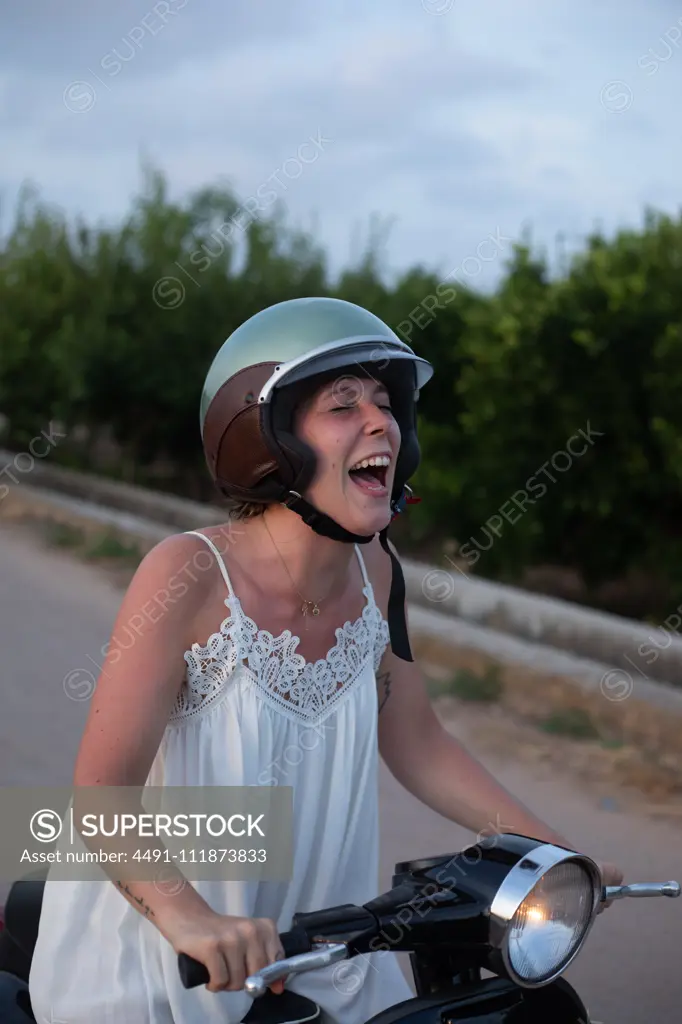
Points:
(641, 889)
(323, 954)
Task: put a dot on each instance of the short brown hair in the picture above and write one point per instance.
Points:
(240, 510)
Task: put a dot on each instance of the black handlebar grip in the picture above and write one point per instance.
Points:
(193, 973)
(295, 942)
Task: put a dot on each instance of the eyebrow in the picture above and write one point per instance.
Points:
(329, 390)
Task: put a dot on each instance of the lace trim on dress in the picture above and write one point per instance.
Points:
(303, 691)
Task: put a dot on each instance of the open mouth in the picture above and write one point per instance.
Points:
(370, 475)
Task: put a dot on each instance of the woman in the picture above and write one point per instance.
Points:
(308, 424)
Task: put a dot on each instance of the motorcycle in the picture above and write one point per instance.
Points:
(514, 907)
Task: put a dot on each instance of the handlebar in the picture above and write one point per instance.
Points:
(302, 955)
(193, 973)
(640, 889)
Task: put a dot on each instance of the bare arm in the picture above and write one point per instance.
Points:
(433, 765)
(132, 703)
(436, 768)
(143, 670)
(133, 700)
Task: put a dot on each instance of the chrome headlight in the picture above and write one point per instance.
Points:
(542, 912)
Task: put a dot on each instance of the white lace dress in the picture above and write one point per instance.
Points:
(251, 712)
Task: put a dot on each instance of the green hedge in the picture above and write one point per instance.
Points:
(114, 327)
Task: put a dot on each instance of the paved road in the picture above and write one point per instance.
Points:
(55, 615)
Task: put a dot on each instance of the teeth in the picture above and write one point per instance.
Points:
(379, 460)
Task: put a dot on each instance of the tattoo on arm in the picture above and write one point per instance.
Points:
(148, 912)
(384, 679)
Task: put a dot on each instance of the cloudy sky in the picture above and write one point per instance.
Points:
(452, 120)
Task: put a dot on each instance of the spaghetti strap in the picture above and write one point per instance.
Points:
(363, 570)
(219, 559)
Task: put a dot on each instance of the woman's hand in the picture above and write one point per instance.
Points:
(611, 875)
(231, 948)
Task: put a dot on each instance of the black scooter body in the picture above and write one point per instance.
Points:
(491, 1001)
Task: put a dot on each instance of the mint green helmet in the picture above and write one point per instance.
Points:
(303, 337)
(261, 373)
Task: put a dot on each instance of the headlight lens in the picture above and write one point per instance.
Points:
(551, 922)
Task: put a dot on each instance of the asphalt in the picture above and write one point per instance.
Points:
(55, 616)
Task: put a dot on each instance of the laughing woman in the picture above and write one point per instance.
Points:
(308, 419)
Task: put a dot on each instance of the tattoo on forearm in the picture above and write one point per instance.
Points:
(384, 679)
(148, 912)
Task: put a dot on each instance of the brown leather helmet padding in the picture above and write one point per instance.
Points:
(236, 451)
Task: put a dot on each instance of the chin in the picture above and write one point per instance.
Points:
(353, 516)
(366, 521)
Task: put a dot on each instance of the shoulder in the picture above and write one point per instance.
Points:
(174, 578)
(171, 554)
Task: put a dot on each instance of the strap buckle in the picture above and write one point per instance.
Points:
(291, 501)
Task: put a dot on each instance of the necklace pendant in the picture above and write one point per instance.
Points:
(316, 610)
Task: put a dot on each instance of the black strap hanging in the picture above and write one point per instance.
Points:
(400, 641)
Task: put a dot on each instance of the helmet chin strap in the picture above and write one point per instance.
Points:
(328, 527)
(321, 523)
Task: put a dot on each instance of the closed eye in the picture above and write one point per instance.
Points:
(350, 407)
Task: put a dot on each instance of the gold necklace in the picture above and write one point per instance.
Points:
(307, 606)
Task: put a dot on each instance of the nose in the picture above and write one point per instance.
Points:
(377, 421)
